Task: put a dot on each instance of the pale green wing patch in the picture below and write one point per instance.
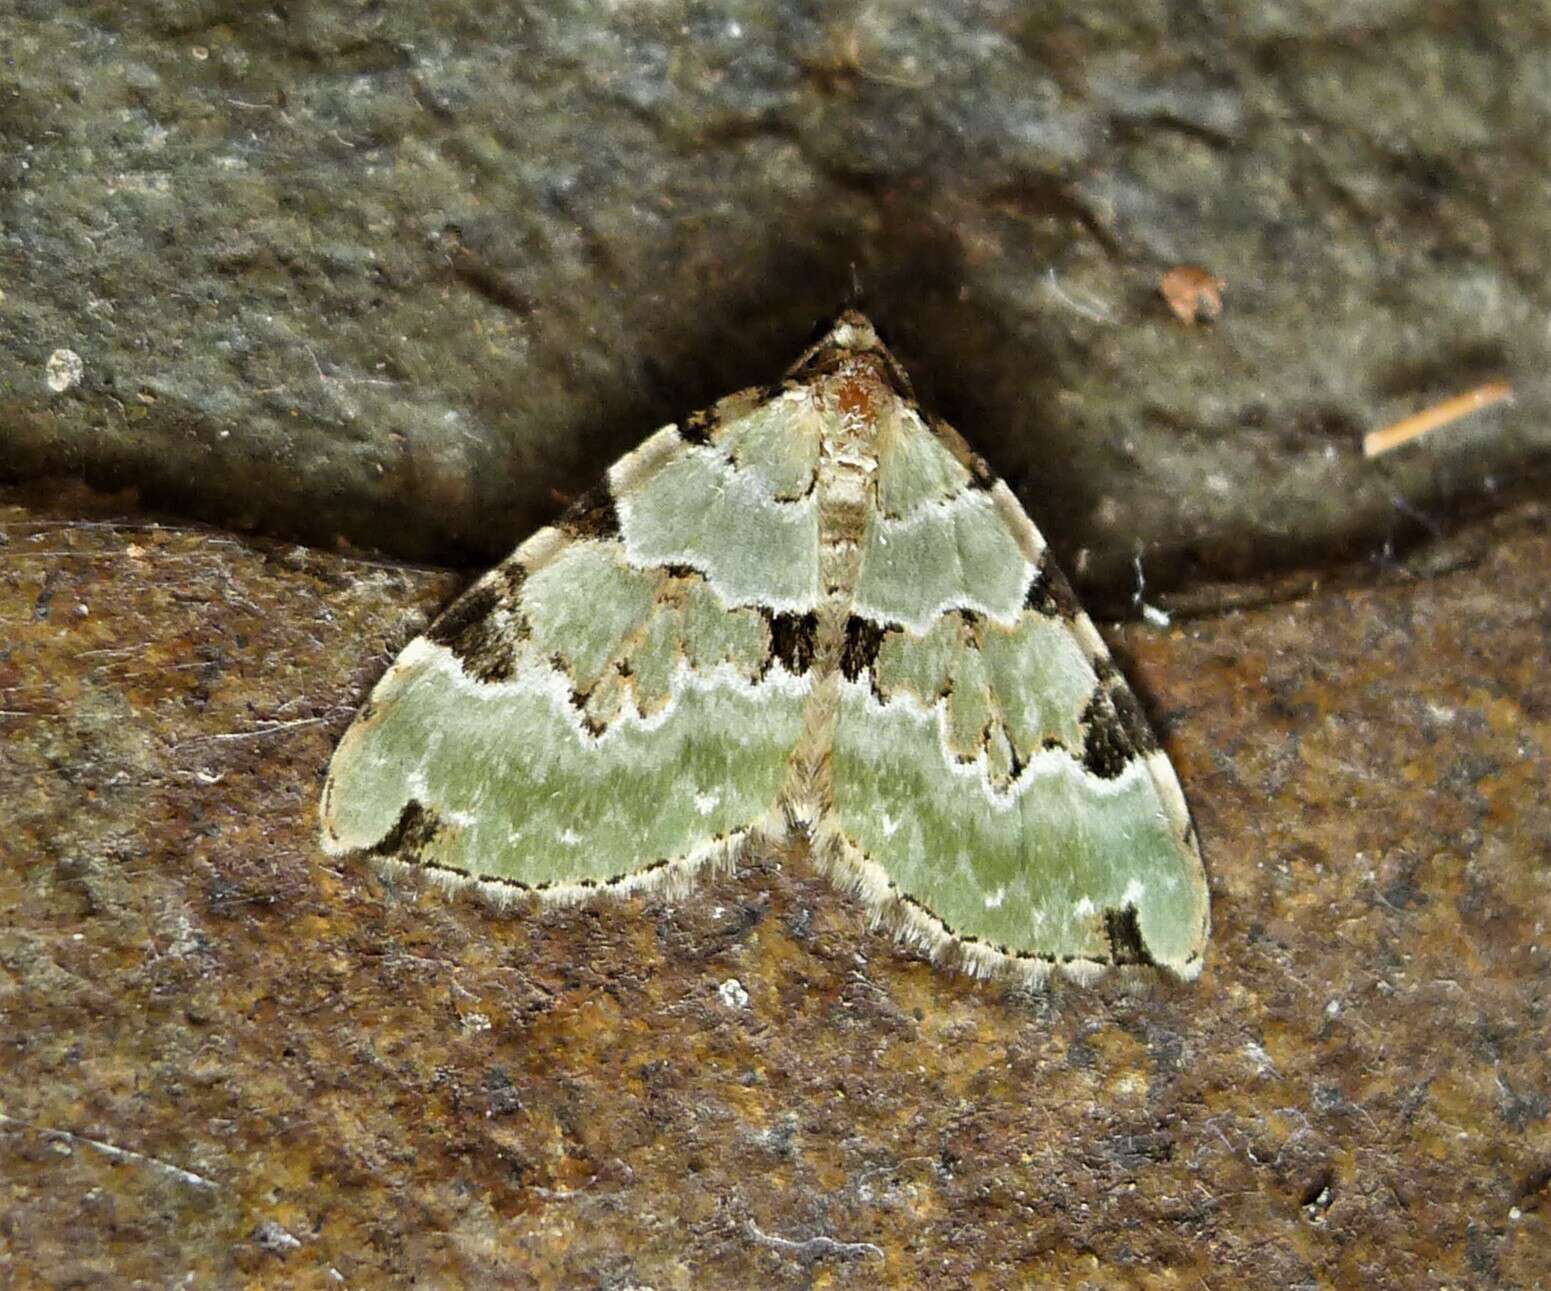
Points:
(914, 469)
(996, 789)
(1063, 868)
(737, 505)
(1008, 692)
(776, 442)
(941, 536)
(955, 554)
(485, 779)
(585, 715)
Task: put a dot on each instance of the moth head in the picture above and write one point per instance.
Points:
(849, 335)
(851, 341)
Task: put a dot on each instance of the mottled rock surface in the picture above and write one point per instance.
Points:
(227, 1062)
(409, 273)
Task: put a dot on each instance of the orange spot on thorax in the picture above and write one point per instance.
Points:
(860, 387)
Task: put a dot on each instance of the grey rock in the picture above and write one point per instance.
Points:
(411, 276)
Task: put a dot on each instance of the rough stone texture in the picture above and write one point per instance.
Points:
(226, 1062)
(403, 273)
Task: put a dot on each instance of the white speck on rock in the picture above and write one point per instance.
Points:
(733, 995)
(275, 1239)
(63, 370)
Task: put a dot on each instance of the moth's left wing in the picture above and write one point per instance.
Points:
(997, 793)
(617, 703)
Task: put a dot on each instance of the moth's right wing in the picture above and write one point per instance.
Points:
(618, 701)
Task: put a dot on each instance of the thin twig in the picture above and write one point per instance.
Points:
(1429, 419)
(1094, 313)
(233, 736)
(115, 1153)
(814, 1245)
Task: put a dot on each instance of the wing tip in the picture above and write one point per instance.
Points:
(915, 926)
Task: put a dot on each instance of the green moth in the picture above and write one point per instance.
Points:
(812, 611)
